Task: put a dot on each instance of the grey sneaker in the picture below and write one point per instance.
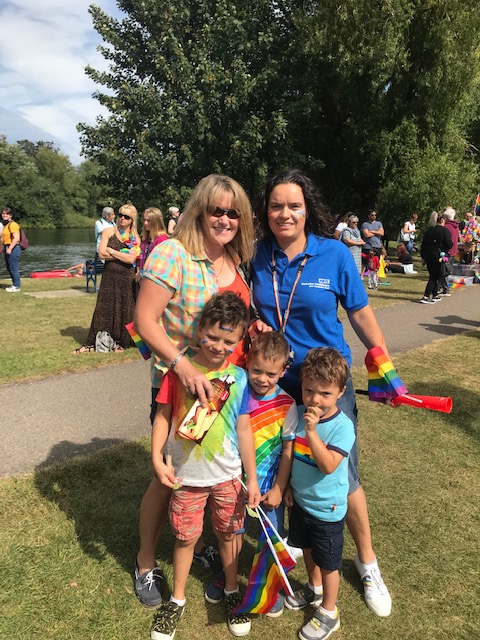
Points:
(320, 627)
(436, 299)
(166, 621)
(209, 558)
(215, 591)
(147, 588)
(239, 624)
(426, 300)
(303, 598)
(277, 609)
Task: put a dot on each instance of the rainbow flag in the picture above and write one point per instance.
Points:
(139, 343)
(268, 573)
(383, 380)
(477, 204)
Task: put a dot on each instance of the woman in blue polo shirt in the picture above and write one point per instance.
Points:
(299, 275)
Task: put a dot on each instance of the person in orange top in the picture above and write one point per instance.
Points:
(11, 248)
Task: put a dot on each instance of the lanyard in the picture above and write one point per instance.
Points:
(283, 319)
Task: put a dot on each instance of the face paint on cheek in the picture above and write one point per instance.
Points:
(204, 341)
(296, 215)
(229, 350)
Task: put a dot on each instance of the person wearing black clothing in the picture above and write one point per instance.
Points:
(437, 240)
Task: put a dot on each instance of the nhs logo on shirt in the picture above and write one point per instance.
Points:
(321, 283)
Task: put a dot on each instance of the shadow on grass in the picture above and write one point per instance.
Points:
(100, 493)
(77, 333)
(465, 414)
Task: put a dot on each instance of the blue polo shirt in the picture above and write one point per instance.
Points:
(329, 277)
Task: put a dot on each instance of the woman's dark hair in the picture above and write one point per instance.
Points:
(318, 219)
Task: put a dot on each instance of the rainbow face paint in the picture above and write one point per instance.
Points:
(297, 215)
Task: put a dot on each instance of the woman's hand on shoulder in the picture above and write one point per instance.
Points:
(194, 381)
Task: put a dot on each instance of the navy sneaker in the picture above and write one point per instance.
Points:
(215, 591)
(147, 587)
(209, 558)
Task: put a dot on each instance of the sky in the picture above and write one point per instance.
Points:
(44, 48)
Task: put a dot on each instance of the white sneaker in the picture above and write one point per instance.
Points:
(295, 552)
(376, 593)
(12, 289)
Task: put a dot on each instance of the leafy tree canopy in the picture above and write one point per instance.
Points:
(378, 101)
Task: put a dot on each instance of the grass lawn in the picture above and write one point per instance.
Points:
(69, 532)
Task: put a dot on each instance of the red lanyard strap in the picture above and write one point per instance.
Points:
(283, 318)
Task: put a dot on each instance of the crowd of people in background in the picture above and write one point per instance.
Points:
(368, 247)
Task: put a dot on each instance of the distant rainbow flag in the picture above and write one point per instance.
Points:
(268, 573)
(383, 380)
(477, 204)
(139, 343)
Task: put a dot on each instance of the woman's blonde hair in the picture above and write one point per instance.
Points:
(157, 225)
(205, 198)
(130, 210)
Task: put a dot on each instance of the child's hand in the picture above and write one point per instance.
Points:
(288, 497)
(272, 498)
(253, 494)
(311, 417)
(166, 475)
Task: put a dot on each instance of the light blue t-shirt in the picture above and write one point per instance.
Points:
(322, 495)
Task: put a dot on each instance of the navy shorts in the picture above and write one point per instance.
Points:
(325, 539)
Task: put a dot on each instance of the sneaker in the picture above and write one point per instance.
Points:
(239, 624)
(13, 289)
(215, 591)
(295, 552)
(146, 587)
(445, 294)
(277, 609)
(436, 299)
(166, 621)
(320, 627)
(209, 558)
(426, 300)
(376, 593)
(301, 599)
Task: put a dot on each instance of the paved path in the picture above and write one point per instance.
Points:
(63, 415)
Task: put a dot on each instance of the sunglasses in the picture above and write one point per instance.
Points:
(231, 214)
(122, 215)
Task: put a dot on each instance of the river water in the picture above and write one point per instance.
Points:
(54, 249)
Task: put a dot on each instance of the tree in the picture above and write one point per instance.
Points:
(192, 88)
(349, 91)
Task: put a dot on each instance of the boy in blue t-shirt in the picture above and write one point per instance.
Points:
(319, 488)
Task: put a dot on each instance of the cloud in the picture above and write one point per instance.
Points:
(44, 49)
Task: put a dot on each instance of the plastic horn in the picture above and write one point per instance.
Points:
(435, 403)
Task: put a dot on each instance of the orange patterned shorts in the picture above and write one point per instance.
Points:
(187, 508)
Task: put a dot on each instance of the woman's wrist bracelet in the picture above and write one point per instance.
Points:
(176, 361)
